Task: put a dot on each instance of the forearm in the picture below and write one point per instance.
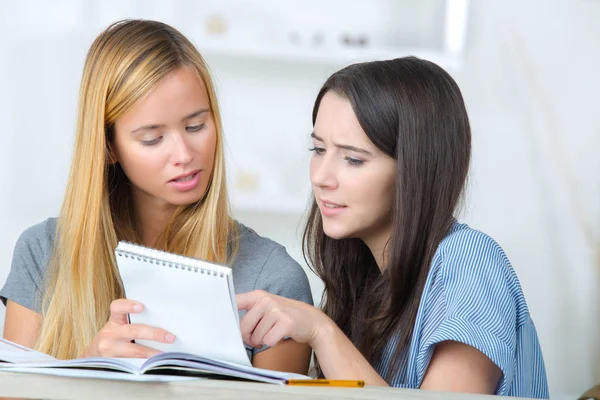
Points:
(340, 359)
(288, 356)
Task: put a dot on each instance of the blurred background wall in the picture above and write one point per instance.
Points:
(528, 70)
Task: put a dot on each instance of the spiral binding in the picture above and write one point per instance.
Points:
(159, 257)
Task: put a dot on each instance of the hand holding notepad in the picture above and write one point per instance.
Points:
(117, 336)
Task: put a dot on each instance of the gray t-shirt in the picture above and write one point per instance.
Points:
(260, 264)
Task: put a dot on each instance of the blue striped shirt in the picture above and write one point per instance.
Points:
(473, 296)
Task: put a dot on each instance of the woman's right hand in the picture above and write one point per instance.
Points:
(115, 338)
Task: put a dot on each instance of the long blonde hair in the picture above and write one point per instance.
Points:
(124, 63)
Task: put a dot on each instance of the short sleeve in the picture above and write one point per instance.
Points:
(477, 304)
(283, 276)
(24, 284)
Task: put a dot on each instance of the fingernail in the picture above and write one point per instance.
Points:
(138, 308)
(169, 337)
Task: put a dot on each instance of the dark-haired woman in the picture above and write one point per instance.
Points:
(413, 298)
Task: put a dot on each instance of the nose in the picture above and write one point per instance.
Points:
(323, 172)
(182, 153)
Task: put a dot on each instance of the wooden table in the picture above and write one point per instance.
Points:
(31, 386)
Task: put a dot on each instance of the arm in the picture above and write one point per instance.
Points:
(21, 325)
(472, 336)
(457, 367)
(283, 276)
(270, 318)
(22, 291)
(454, 366)
(340, 359)
(289, 356)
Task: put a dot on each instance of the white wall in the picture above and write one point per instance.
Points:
(531, 86)
(530, 82)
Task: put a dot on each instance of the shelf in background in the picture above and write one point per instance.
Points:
(327, 56)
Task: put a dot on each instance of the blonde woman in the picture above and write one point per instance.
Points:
(147, 167)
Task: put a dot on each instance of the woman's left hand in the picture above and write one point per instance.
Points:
(272, 318)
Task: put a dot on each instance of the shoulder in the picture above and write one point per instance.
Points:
(470, 253)
(252, 245)
(37, 241)
(464, 239)
(262, 263)
(260, 254)
(476, 275)
(31, 256)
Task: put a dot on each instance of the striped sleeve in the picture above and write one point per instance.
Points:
(477, 303)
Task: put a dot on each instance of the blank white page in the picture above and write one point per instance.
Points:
(190, 298)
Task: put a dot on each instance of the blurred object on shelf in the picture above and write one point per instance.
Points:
(216, 25)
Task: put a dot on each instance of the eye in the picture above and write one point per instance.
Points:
(317, 150)
(195, 128)
(354, 161)
(152, 142)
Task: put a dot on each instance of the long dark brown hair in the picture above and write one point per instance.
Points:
(413, 111)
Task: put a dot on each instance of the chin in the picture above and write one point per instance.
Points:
(335, 233)
(186, 200)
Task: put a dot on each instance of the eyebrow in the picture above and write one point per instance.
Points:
(154, 126)
(344, 146)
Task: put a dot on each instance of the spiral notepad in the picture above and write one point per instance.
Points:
(191, 298)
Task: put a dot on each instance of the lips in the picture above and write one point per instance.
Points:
(331, 204)
(186, 182)
(185, 177)
(331, 209)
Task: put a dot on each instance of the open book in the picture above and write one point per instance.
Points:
(193, 299)
(161, 367)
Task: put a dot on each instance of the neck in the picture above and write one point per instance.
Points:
(151, 218)
(377, 244)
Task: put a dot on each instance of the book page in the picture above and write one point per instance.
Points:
(128, 365)
(89, 373)
(15, 353)
(222, 367)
